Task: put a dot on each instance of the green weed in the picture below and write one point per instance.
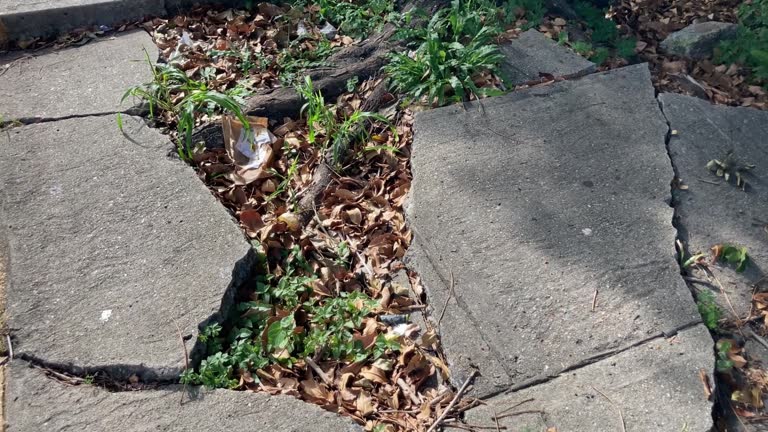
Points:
(266, 330)
(356, 19)
(162, 95)
(750, 48)
(708, 309)
(606, 41)
(723, 363)
(338, 133)
(455, 47)
(294, 59)
(733, 255)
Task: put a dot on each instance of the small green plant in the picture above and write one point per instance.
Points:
(750, 47)
(266, 330)
(323, 121)
(606, 41)
(173, 93)
(452, 50)
(295, 59)
(89, 379)
(733, 255)
(708, 309)
(534, 11)
(723, 363)
(356, 19)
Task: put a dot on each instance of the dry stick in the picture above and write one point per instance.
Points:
(621, 414)
(451, 293)
(594, 300)
(326, 379)
(186, 359)
(506, 410)
(739, 322)
(517, 413)
(407, 391)
(453, 402)
(757, 337)
(472, 427)
(495, 415)
(10, 346)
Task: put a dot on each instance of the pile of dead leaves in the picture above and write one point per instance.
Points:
(240, 47)
(651, 21)
(354, 243)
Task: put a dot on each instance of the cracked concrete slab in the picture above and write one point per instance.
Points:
(711, 211)
(111, 245)
(22, 19)
(89, 79)
(533, 203)
(533, 54)
(36, 403)
(655, 385)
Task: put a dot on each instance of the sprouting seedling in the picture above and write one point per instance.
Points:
(729, 166)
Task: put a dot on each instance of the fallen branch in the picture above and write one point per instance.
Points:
(323, 376)
(453, 402)
(451, 293)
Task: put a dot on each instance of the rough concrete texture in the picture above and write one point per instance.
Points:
(710, 214)
(36, 403)
(655, 385)
(535, 201)
(21, 19)
(84, 80)
(697, 41)
(111, 245)
(533, 54)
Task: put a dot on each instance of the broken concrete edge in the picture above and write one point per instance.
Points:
(51, 22)
(139, 110)
(545, 378)
(114, 374)
(242, 273)
(41, 400)
(459, 369)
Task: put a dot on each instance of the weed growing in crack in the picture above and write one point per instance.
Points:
(723, 363)
(283, 323)
(708, 309)
(179, 99)
(323, 121)
(455, 47)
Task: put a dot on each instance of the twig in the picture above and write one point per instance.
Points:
(451, 293)
(453, 402)
(621, 414)
(495, 415)
(186, 360)
(517, 413)
(757, 337)
(517, 405)
(709, 181)
(323, 376)
(472, 427)
(10, 345)
(594, 300)
(710, 274)
(407, 391)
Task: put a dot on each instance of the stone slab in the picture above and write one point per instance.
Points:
(112, 245)
(710, 214)
(21, 19)
(656, 385)
(532, 203)
(698, 40)
(36, 403)
(533, 54)
(90, 79)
